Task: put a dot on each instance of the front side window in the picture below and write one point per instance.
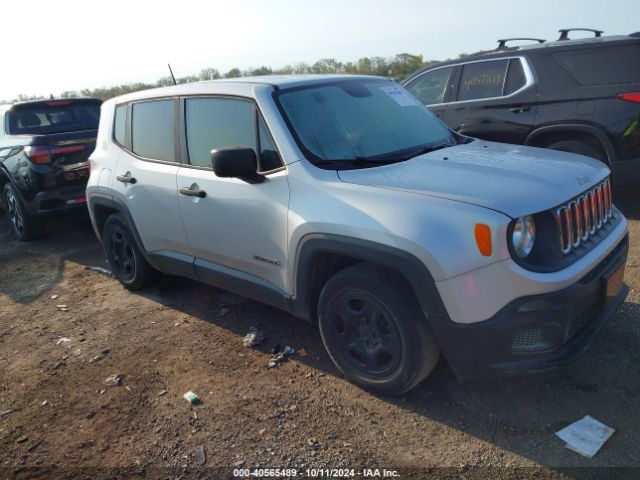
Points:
(430, 87)
(217, 123)
(119, 124)
(152, 130)
(269, 157)
(360, 121)
(482, 80)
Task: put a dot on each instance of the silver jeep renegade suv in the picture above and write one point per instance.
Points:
(344, 201)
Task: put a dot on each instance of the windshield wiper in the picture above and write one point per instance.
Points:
(422, 150)
(386, 159)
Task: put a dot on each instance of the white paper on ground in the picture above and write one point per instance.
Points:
(586, 436)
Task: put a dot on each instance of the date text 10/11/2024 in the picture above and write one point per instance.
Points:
(315, 473)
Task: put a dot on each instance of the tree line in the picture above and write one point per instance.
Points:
(399, 67)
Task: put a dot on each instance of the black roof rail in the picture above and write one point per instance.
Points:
(503, 42)
(635, 35)
(564, 32)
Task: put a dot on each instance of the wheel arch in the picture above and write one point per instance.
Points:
(101, 207)
(548, 134)
(5, 178)
(320, 256)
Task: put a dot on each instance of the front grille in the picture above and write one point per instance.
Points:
(584, 216)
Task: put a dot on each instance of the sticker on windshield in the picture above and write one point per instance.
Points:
(401, 97)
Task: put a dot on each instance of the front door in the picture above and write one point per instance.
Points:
(432, 88)
(494, 100)
(235, 229)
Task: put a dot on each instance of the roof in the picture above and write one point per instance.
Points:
(242, 86)
(527, 49)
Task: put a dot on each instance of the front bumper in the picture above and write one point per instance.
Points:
(539, 331)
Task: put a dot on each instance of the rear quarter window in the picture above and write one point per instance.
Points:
(602, 66)
(119, 124)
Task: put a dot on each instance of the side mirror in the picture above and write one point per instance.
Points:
(236, 162)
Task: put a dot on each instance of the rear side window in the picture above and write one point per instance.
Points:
(430, 87)
(53, 116)
(516, 78)
(216, 123)
(152, 130)
(119, 124)
(482, 80)
(602, 66)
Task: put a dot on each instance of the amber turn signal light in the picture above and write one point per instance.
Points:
(483, 239)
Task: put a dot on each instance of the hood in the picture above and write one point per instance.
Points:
(512, 179)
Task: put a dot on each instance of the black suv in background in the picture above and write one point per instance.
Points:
(44, 147)
(580, 96)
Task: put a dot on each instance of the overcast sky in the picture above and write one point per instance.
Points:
(52, 46)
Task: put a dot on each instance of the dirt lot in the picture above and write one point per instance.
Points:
(66, 422)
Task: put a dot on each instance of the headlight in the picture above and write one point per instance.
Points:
(523, 236)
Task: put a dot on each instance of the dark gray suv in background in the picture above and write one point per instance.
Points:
(580, 96)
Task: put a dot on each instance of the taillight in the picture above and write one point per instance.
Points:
(58, 103)
(38, 154)
(630, 97)
(71, 149)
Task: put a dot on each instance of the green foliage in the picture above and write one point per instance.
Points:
(398, 67)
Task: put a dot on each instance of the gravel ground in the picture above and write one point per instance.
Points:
(66, 422)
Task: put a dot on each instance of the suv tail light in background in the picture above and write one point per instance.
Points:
(630, 97)
(40, 155)
(63, 150)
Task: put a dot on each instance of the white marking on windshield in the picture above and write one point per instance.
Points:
(401, 97)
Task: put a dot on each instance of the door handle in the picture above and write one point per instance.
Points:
(520, 109)
(127, 178)
(193, 191)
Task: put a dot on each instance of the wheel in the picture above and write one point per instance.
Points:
(375, 331)
(24, 226)
(581, 148)
(125, 258)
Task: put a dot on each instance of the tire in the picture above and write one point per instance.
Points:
(123, 255)
(24, 226)
(375, 331)
(581, 148)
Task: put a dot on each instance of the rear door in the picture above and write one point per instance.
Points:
(145, 177)
(238, 228)
(433, 88)
(494, 100)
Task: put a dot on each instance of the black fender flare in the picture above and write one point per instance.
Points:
(576, 127)
(4, 173)
(119, 206)
(406, 264)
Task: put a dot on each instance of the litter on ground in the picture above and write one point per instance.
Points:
(586, 436)
(104, 271)
(280, 356)
(192, 398)
(254, 337)
(114, 380)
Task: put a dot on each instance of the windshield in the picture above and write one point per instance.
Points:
(54, 117)
(360, 120)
